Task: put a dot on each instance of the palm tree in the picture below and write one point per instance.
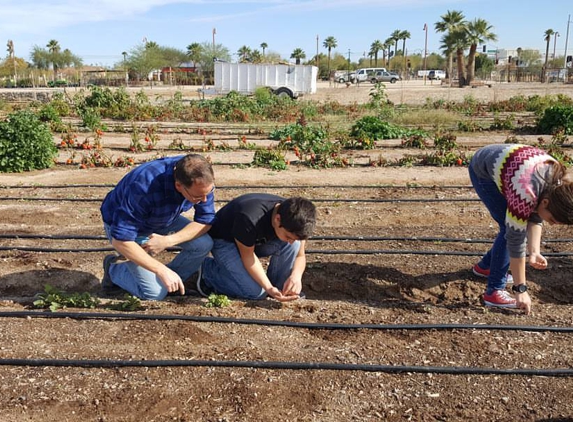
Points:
(298, 54)
(396, 36)
(244, 54)
(329, 43)
(451, 21)
(375, 47)
(194, 51)
(456, 41)
(54, 50)
(404, 35)
(547, 38)
(478, 32)
(264, 46)
(387, 49)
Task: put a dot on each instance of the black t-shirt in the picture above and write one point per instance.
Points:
(247, 218)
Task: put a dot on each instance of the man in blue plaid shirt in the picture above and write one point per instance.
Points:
(142, 217)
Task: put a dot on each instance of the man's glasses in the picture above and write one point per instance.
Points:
(197, 198)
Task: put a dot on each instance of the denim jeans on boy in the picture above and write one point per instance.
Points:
(146, 285)
(497, 258)
(226, 274)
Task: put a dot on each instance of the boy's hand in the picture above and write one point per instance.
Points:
(278, 295)
(537, 261)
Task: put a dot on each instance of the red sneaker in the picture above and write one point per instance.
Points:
(480, 272)
(500, 299)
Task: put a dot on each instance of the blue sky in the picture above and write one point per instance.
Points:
(99, 30)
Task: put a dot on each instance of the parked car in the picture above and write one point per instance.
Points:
(343, 76)
(365, 74)
(384, 76)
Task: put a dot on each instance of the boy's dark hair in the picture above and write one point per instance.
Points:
(298, 216)
(193, 167)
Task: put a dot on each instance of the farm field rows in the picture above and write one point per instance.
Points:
(393, 245)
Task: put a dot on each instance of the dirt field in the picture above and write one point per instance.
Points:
(193, 363)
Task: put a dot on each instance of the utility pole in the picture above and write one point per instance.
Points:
(317, 61)
(566, 71)
(425, 51)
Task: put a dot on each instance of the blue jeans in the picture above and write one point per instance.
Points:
(497, 258)
(226, 274)
(146, 285)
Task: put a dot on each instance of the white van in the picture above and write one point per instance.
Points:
(437, 75)
(366, 74)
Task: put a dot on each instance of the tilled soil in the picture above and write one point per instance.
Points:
(392, 252)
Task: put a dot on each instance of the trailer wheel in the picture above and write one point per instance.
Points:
(284, 92)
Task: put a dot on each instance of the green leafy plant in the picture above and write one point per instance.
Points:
(55, 299)
(557, 118)
(25, 143)
(270, 158)
(129, 303)
(445, 141)
(372, 127)
(217, 301)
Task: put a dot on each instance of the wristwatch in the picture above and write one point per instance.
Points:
(519, 288)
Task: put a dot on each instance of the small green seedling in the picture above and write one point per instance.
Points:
(55, 299)
(217, 301)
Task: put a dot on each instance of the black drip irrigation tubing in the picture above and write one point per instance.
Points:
(278, 323)
(396, 369)
(255, 186)
(308, 251)
(321, 200)
(341, 238)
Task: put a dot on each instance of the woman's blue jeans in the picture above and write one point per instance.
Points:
(226, 274)
(497, 258)
(146, 285)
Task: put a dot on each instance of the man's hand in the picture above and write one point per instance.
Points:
(156, 244)
(537, 261)
(278, 295)
(523, 302)
(171, 280)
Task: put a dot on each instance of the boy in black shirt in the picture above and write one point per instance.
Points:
(252, 226)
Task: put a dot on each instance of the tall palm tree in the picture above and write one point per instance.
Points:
(387, 49)
(396, 36)
(478, 32)
(329, 43)
(244, 54)
(404, 35)
(298, 54)
(264, 46)
(54, 50)
(375, 47)
(547, 38)
(456, 42)
(194, 51)
(451, 21)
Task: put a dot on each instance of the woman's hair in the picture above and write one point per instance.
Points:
(298, 216)
(559, 193)
(194, 167)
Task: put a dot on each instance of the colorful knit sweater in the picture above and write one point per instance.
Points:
(520, 172)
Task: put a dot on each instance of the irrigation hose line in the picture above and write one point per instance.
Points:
(221, 201)
(254, 186)
(353, 238)
(308, 251)
(394, 369)
(279, 323)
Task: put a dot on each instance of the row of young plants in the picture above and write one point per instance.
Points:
(26, 141)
